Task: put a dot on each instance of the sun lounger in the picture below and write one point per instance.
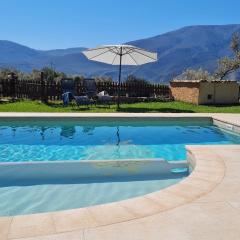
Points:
(68, 89)
(90, 87)
(82, 100)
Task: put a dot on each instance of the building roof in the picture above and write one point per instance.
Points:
(198, 81)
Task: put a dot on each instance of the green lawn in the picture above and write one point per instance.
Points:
(175, 107)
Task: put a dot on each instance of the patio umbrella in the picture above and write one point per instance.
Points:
(120, 55)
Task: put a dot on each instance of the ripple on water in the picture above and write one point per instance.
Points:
(16, 153)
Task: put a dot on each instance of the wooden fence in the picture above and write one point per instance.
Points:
(52, 90)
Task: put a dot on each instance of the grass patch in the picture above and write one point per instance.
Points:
(167, 107)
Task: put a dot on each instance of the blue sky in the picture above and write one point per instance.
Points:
(48, 24)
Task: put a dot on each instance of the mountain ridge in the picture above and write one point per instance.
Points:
(187, 47)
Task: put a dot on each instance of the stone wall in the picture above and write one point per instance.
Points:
(185, 91)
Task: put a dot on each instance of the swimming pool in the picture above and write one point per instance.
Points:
(56, 164)
(102, 139)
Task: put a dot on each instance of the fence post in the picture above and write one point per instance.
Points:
(12, 77)
(43, 92)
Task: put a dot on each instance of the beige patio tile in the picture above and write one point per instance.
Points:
(200, 183)
(110, 213)
(235, 203)
(4, 227)
(31, 225)
(216, 177)
(138, 230)
(228, 190)
(233, 170)
(205, 154)
(167, 199)
(232, 154)
(142, 206)
(127, 231)
(187, 191)
(73, 219)
(213, 164)
(194, 221)
(75, 235)
(218, 172)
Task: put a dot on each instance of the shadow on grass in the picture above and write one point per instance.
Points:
(222, 105)
(164, 110)
(70, 107)
(122, 109)
(74, 107)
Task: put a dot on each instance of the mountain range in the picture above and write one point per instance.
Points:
(188, 47)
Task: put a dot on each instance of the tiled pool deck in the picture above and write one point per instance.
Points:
(206, 205)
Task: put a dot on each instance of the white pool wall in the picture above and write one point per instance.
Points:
(86, 169)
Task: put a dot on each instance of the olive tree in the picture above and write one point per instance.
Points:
(195, 74)
(227, 65)
(104, 79)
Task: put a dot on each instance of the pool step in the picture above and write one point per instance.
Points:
(68, 170)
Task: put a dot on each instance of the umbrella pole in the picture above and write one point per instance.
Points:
(119, 79)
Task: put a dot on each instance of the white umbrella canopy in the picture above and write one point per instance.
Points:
(111, 54)
(120, 55)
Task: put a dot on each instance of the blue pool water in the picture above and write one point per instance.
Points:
(18, 200)
(41, 140)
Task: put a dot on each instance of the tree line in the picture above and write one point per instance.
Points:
(50, 74)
